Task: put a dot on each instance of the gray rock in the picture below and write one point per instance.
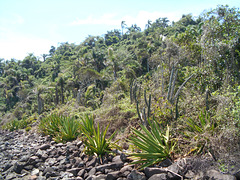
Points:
(100, 177)
(11, 176)
(44, 147)
(51, 161)
(24, 158)
(48, 170)
(123, 157)
(174, 171)
(167, 162)
(117, 159)
(107, 171)
(67, 175)
(90, 177)
(135, 175)
(152, 171)
(126, 173)
(81, 173)
(92, 162)
(17, 167)
(52, 174)
(74, 171)
(92, 172)
(189, 175)
(113, 175)
(28, 167)
(39, 153)
(114, 165)
(126, 168)
(79, 143)
(33, 160)
(213, 174)
(78, 178)
(6, 167)
(35, 172)
(59, 145)
(44, 156)
(81, 164)
(174, 168)
(159, 177)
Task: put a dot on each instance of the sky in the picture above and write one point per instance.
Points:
(33, 26)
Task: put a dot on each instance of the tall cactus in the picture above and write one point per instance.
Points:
(206, 101)
(143, 116)
(172, 98)
(133, 89)
(170, 84)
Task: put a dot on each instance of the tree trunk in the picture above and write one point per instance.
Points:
(56, 93)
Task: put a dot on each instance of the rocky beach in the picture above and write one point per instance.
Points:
(31, 156)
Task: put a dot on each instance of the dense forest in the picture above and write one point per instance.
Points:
(180, 76)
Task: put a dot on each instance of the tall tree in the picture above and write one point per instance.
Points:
(123, 25)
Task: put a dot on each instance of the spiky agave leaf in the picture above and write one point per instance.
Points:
(155, 146)
(97, 144)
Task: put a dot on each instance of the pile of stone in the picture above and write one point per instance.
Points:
(31, 156)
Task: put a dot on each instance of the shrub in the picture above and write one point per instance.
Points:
(69, 130)
(12, 125)
(87, 124)
(95, 139)
(154, 145)
(50, 125)
(61, 128)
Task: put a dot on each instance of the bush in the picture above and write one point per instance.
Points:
(61, 128)
(95, 139)
(87, 124)
(154, 145)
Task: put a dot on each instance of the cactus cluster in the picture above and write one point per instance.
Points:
(171, 97)
(145, 113)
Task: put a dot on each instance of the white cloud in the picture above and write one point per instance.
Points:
(18, 46)
(106, 19)
(13, 19)
(140, 19)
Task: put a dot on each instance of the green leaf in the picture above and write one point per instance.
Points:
(155, 146)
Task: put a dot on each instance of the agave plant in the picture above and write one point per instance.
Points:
(97, 144)
(154, 145)
(12, 125)
(203, 124)
(61, 128)
(50, 125)
(69, 129)
(87, 124)
(199, 132)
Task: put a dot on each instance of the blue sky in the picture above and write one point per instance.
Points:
(33, 26)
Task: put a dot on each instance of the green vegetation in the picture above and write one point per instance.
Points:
(184, 74)
(98, 144)
(154, 145)
(87, 125)
(61, 128)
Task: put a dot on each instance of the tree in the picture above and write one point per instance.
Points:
(148, 25)
(38, 91)
(220, 41)
(61, 82)
(44, 57)
(52, 50)
(2, 64)
(123, 25)
(112, 37)
(113, 61)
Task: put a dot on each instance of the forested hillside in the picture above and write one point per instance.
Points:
(183, 75)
